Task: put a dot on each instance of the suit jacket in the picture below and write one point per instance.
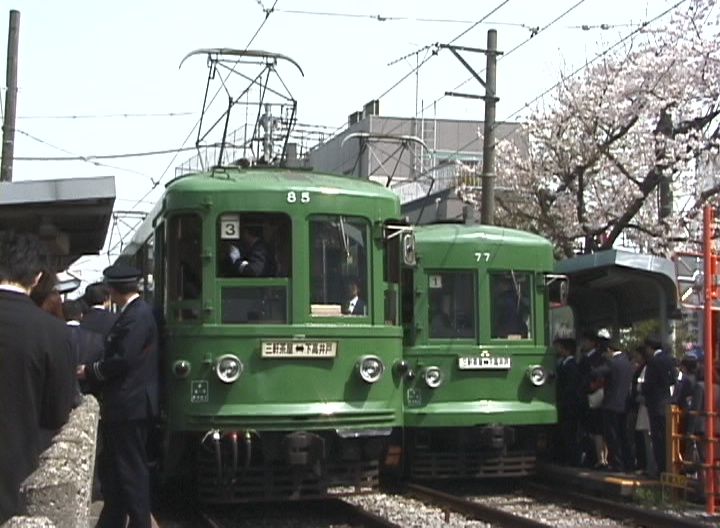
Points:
(260, 261)
(128, 373)
(618, 374)
(359, 308)
(569, 395)
(660, 375)
(585, 367)
(100, 321)
(37, 386)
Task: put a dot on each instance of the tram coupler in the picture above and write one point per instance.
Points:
(496, 436)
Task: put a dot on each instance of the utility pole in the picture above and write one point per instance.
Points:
(487, 211)
(8, 139)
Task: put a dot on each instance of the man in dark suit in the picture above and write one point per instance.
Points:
(128, 380)
(617, 371)
(355, 306)
(569, 402)
(98, 317)
(660, 375)
(36, 368)
(259, 259)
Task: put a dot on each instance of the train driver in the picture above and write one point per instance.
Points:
(258, 259)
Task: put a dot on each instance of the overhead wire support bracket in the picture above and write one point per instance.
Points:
(454, 50)
(467, 96)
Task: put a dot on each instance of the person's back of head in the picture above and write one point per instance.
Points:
(96, 294)
(72, 310)
(44, 288)
(22, 258)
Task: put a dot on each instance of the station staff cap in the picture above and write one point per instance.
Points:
(121, 274)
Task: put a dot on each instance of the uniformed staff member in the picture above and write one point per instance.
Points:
(127, 377)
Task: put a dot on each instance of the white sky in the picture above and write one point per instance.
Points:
(99, 58)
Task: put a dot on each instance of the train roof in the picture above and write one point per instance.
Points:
(277, 179)
(463, 245)
(472, 233)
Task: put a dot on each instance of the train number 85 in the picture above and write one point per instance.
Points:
(294, 197)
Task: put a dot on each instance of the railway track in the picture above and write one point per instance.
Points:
(472, 509)
(330, 513)
(539, 506)
(616, 510)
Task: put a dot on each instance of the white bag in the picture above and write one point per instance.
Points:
(595, 398)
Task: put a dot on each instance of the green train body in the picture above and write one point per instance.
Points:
(476, 396)
(315, 396)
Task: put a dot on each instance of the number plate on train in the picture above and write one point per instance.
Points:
(484, 363)
(299, 349)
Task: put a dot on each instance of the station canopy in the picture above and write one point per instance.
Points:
(619, 288)
(71, 215)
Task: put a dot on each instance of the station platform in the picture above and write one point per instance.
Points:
(600, 483)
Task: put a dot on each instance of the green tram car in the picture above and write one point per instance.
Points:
(477, 401)
(271, 389)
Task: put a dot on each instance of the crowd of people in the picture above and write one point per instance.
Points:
(612, 405)
(52, 351)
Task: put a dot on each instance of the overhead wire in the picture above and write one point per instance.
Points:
(603, 53)
(382, 18)
(182, 148)
(591, 61)
(75, 157)
(267, 12)
(424, 61)
(109, 116)
(541, 30)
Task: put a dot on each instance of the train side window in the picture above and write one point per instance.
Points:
(339, 254)
(511, 307)
(147, 266)
(254, 245)
(451, 304)
(184, 265)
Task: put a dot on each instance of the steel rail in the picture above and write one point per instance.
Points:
(615, 510)
(474, 510)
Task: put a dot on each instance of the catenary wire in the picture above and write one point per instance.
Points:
(541, 30)
(554, 86)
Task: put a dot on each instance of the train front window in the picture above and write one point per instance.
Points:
(451, 305)
(254, 263)
(254, 245)
(511, 307)
(339, 266)
(184, 267)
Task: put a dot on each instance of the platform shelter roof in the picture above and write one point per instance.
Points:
(71, 215)
(618, 288)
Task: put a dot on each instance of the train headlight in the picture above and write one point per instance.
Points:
(370, 368)
(433, 377)
(181, 369)
(228, 368)
(537, 375)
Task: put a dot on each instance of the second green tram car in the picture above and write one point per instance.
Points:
(280, 385)
(476, 396)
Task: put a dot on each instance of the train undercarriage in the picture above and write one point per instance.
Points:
(486, 451)
(230, 467)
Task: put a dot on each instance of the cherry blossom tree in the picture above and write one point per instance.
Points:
(613, 153)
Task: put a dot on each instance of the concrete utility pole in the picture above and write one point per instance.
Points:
(8, 140)
(487, 211)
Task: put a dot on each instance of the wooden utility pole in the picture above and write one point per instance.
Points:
(487, 211)
(8, 139)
